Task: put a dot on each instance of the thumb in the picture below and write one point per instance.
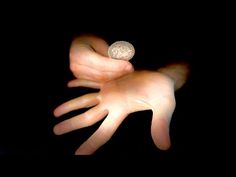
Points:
(160, 126)
(108, 64)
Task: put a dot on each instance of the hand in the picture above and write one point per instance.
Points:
(143, 90)
(89, 61)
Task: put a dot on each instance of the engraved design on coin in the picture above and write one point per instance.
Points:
(121, 50)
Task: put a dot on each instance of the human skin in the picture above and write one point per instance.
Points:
(138, 91)
(119, 95)
(89, 61)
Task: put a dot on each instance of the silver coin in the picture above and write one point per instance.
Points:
(121, 50)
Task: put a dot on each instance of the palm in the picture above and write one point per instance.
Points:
(138, 91)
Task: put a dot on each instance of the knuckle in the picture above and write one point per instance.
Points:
(101, 77)
(170, 102)
(78, 53)
(87, 119)
(73, 67)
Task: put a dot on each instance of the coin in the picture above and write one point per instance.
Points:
(121, 50)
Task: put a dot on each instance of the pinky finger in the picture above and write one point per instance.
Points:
(84, 83)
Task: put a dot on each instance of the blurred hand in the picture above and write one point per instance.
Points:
(143, 90)
(89, 61)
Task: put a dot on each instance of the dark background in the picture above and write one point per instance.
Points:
(37, 69)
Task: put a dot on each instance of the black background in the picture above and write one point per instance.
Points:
(37, 69)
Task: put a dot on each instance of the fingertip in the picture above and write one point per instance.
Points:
(69, 84)
(160, 135)
(77, 152)
(162, 144)
(82, 151)
(57, 112)
(129, 67)
(56, 130)
(72, 83)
